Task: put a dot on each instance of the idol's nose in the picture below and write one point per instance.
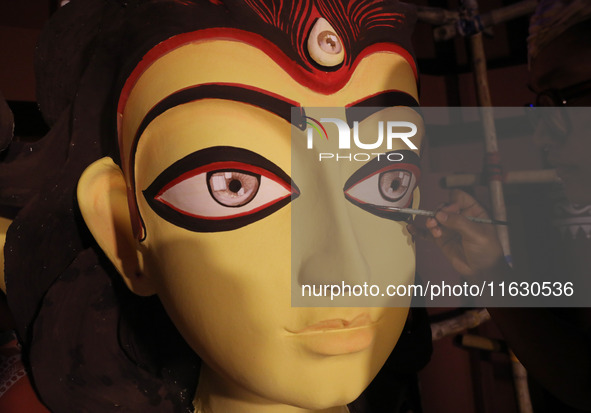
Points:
(325, 246)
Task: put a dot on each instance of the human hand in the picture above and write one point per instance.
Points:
(472, 248)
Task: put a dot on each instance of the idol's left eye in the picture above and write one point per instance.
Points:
(230, 187)
(205, 193)
(384, 183)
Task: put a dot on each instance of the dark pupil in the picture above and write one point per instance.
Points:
(395, 185)
(235, 185)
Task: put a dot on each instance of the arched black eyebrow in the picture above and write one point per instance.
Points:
(358, 111)
(234, 92)
(237, 93)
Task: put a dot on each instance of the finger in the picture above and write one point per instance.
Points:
(457, 196)
(431, 234)
(434, 228)
(470, 231)
(466, 205)
(431, 223)
(476, 211)
(418, 232)
(452, 207)
(443, 207)
(436, 232)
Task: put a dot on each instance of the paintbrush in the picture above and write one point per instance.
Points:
(412, 211)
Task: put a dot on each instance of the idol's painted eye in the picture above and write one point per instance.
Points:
(386, 181)
(233, 188)
(394, 184)
(324, 45)
(219, 189)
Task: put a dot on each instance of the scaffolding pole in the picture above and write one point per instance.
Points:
(448, 23)
(495, 177)
(468, 22)
(541, 176)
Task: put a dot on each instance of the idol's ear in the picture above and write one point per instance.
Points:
(102, 197)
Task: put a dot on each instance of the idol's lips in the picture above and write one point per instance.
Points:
(362, 320)
(337, 337)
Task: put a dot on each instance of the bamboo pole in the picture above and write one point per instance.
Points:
(470, 23)
(541, 176)
(455, 325)
(509, 12)
(473, 341)
(521, 386)
(490, 134)
(446, 21)
(436, 15)
(494, 173)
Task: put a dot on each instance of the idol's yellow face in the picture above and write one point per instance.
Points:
(211, 179)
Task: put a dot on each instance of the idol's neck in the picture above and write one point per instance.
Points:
(216, 395)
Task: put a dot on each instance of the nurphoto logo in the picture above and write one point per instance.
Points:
(386, 131)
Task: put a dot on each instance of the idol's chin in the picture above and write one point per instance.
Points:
(322, 402)
(327, 394)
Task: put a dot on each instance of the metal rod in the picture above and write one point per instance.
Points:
(423, 212)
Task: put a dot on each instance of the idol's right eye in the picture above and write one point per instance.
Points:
(204, 193)
(382, 183)
(394, 184)
(389, 187)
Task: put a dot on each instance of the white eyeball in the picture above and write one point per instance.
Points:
(324, 45)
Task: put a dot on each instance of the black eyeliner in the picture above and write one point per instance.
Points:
(204, 157)
(373, 166)
(408, 157)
